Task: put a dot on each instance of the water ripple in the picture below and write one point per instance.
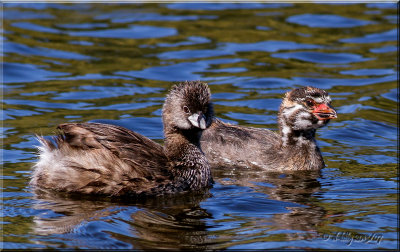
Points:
(390, 35)
(327, 21)
(320, 57)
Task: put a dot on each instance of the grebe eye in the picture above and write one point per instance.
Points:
(309, 103)
(186, 109)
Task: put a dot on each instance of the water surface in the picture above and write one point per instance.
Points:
(116, 62)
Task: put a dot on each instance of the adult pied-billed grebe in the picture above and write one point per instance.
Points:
(301, 113)
(103, 159)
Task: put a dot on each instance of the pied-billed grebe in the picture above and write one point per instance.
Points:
(301, 113)
(95, 158)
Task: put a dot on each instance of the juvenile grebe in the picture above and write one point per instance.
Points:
(301, 113)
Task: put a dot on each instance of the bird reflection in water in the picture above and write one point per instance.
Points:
(298, 187)
(170, 222)
(178, 221)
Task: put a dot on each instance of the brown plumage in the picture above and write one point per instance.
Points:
(301, 113)
(103, 159)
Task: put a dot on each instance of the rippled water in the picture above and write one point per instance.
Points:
(115, 62)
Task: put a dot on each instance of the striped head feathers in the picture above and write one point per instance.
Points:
(306, 108)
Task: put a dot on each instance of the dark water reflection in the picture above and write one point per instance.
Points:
(171, 222)
(115, 62)
(190, 220)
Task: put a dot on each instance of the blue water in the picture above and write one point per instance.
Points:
(115, 63)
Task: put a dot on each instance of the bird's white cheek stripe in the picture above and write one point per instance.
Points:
(302, 115)
(289, 111)
(303, 121)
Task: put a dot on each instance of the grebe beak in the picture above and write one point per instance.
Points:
(325, 112)
(198, 120)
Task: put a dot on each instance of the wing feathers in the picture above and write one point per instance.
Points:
(99, 158)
